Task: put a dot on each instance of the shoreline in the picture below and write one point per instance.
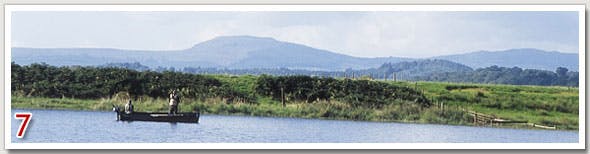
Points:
(517, 127)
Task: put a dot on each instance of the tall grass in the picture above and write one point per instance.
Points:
(546, 105)
(402, 112)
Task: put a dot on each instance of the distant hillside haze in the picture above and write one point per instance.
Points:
(409, 70)
(523, 58)
(242, 52)
(236, 52)
(425, 67)
(246, 52)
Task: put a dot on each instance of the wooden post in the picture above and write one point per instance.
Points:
(283, 97)
(475, 118)
(442, 106)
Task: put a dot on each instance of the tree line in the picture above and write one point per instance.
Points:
(88, 82)
(365, 93)
(513, 76)
(96, 82)
(423, 70)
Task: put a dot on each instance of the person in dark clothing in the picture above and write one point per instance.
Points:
(129, 107)
(174, 100)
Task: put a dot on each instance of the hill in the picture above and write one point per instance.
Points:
(248, 52)
(523, 58)
(239, 52)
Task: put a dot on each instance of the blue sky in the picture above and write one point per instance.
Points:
(363, 34)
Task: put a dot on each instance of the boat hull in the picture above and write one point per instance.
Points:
(186, 117)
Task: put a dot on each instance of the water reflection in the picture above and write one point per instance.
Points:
(172, 125)
(99, 127)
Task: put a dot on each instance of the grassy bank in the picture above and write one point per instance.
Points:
(545, 105)
(402, 112)
(552, 106)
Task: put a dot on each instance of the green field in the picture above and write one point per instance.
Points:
(550, 106)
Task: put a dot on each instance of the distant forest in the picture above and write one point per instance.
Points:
(422, 70)
(513, 76)
(90, 82)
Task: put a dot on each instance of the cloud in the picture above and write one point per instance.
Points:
(364, 34)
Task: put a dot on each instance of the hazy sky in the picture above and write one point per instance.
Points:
(364, 34)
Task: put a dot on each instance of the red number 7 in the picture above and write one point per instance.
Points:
(24, 124)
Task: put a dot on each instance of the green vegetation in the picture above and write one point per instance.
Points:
(419, 70)
(90, 88)
(551, 106)
(401, 112)
(505, 75)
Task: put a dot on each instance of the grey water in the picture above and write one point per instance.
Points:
(65, 126)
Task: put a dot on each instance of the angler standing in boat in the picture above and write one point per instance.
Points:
(172, 116)
(129, 107)
(174, 100)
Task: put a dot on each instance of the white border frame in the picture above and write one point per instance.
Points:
(7, 66)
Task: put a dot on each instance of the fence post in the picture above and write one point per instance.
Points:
(283, 97)
(442, 106)
(475, 118)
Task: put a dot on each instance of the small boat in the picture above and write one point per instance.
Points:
(184, 117)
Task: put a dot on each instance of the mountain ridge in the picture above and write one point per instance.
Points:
(243, 52)
(519, 57)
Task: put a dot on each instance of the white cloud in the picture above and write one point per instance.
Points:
(365, 34)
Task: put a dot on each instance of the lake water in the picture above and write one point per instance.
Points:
(62, 126)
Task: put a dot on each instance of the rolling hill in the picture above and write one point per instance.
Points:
(246, 52)
(236, 52)
(523, 58)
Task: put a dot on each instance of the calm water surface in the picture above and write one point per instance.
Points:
(62, 126)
